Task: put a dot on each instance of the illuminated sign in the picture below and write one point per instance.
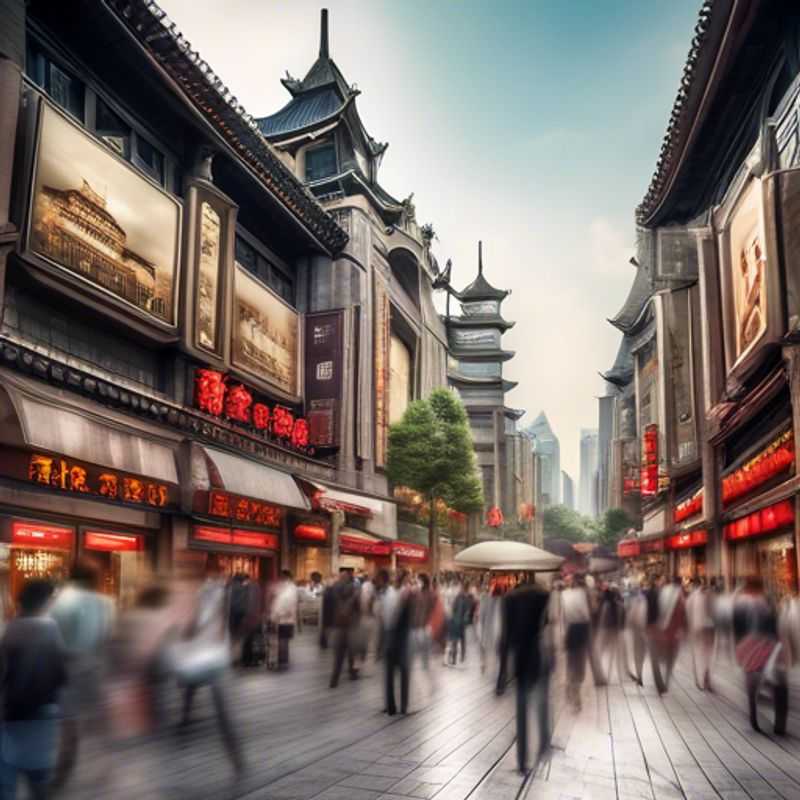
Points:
(359, 546)
(767, 520)
(689, 507)
(34, 534)
(410, 552)
(311, 533)
(648, 483)
(243, 509)
(776, 458)
(56, 472)
(260, 541)
(628, 549)
(112, 542)
(681, 541)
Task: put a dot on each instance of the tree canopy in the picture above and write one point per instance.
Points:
(561, 522)
(611, 527)
(431, 452)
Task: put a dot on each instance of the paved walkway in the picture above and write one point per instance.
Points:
(304, 741)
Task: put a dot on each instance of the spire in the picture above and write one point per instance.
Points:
(480, 257)
(323, 34)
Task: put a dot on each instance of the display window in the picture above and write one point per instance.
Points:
(39, 550)
(121, 559)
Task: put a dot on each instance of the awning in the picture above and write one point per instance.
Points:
(380, 515)
(81, 430)
(362, 544)
(239, 475)
(507, 555)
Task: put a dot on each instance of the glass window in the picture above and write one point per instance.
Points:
(113, 130)
(149, 159)
(320, 162)
(65, 91)
(267, 273)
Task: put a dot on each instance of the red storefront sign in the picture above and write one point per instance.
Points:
(112, 542)
(410, 552)
(689, 507)
(359, 546)
(649, 472)
(243, 509)
(778, 457)
(766, 520)
(254, 539)
(681, 541)
(652, 546)
(311, 533)
(33, 534)
(628, 548)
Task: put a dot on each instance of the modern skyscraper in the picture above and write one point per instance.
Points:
(549, 451)
(587, 489)
(567, 491)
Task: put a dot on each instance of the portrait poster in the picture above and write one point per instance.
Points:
(208, 276)
(264, 333)
(748, 266)
(323, 376)
(382, 340)
(96, 217)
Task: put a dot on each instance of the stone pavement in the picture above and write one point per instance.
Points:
(304, 741)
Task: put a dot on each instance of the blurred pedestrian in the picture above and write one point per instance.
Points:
(460, 615)
(700, 616)
(611, 622)
(33, 670)
(252, 626)
(424, 606)
(326, 613)
(758, 651)
(396, 624)
(524, 617)
(489, 622)
(636, 621)
(346, 615)
(672, 626)
(283, 615)
(576, 617)
(84, 618)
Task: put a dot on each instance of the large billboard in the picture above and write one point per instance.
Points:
(98, 218)
(264, 333)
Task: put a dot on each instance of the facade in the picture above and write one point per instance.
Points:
(505, 456)
(587, 484)
(200, 357)
(548, 449)
(567, 491)
(605, 433)
(709, 327)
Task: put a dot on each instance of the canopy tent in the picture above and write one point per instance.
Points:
(505, 555)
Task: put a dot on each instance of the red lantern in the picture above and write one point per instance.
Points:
(769, 520)
(209, 391)
(494, 517)
(237, 404)
(300, 433)
(260, 416)
(282, 422)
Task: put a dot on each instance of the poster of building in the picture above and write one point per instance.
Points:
(381, 354)
(208, 277)
(264, 333)
(96, 217)
(323, 376)
(748, 266)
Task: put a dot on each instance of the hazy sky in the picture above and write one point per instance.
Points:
(533, 125)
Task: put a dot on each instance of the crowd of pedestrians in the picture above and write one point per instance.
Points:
(72, 664)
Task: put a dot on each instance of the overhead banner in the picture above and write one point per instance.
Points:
(323, 374)
(381, 353)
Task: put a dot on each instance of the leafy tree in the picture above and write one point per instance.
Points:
(611, 527)
(430, 451)
(560, 522)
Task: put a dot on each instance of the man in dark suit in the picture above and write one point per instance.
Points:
(524, 620)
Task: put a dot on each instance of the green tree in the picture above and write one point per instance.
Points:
(611, 527)
(431, 452)
(560, 522)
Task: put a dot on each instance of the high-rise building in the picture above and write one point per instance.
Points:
(606, 408)
(587, 488)
(567, 490)
(549, 451)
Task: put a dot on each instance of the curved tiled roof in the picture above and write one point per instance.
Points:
(680, 116)
(302, 111)
(621, 371)
(639, 294)
(159, 37)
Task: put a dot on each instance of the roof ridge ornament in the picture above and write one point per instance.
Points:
(323, 34)
(480, 257)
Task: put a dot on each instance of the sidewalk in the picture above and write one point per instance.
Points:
(304, 740)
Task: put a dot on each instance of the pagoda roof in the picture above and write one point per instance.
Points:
(621, 372)
(638, 296)
(480, 288)
(304, 111)
(464, 380)
(493, 354)
(481, 321)
(354, 178)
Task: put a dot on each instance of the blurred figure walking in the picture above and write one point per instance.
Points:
(611, 624)
(758, 651)
(524, 618)
(33, 671)
(283, 615)
(636, 620)
(84, 618)
(346, 613)
(460, 617)
(577, 635)
(671, 627)
(700, 615)
(424, 605)
(396, 623)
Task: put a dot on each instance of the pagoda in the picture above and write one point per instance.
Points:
(476, 372)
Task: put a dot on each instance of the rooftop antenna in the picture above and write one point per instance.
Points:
(323, 34)
(480, 257)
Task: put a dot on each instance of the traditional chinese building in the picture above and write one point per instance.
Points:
(505, 455)
(395, 341)
(717, 478)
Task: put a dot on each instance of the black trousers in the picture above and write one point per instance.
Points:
(342, 646)
(780, 693)
(229, 737)
(396, 660)
(542, 689)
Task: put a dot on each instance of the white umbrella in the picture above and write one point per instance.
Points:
(504, 555)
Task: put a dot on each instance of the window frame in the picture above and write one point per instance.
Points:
(330, 144)
(273, 261)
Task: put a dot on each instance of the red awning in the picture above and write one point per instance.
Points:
(362, 544)
(681, 541)
(311, 533)
(410, 552)
(628, 548)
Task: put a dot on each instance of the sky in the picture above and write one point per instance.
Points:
(533, 125)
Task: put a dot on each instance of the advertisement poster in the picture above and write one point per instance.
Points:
(96, 217)
(208, 277)
(381, 353)
(324, 367)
